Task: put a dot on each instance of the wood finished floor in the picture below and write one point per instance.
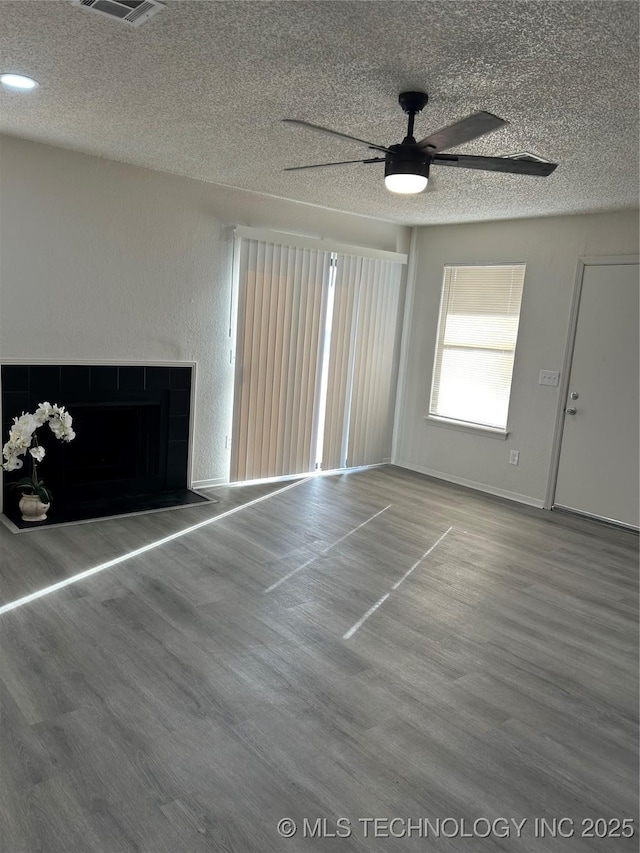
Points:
(170, 705)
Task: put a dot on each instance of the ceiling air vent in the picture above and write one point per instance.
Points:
(131, 12)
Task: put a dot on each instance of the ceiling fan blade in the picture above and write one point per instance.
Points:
(496, 164)
(464, 130)
(337, 163)
(335, 133)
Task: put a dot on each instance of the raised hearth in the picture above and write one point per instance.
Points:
(131, 450)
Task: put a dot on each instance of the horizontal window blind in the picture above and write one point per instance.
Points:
(476, 342)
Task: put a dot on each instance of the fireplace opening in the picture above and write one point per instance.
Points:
(114, 442)
(116, 451)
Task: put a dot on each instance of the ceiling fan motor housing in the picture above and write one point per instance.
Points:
(407, 160)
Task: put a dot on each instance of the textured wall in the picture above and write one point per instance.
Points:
(550, 247)
(104, 261)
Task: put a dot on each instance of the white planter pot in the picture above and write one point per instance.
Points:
(32, 508)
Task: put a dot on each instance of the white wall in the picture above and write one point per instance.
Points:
(550, 247)
(104, 261)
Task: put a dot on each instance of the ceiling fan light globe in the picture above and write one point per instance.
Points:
(18, 82)
(405, 183)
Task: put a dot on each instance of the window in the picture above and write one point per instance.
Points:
(476, 343)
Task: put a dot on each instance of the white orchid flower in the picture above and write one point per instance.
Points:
(43, 412)
(22, 436)
(12, 464)
(24, 427)
(57, 429)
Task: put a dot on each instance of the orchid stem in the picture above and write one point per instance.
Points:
(34, 469)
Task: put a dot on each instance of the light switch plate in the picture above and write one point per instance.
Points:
(549, 377)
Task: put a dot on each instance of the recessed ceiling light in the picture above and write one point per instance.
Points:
(18, 82)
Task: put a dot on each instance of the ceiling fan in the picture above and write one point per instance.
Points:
(407, 165)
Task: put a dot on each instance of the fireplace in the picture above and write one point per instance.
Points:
(131, 449)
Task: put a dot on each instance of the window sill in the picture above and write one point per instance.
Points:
(463, 426)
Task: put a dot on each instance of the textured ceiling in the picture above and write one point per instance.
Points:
(199, 90)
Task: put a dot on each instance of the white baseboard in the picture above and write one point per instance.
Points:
(207, 484)
(471, 484)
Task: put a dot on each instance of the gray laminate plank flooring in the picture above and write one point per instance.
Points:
(178, 701)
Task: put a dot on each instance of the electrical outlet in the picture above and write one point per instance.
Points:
(549, 377)
(514, 457)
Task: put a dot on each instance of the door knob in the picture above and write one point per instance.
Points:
(571, 410)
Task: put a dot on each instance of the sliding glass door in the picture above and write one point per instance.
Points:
(362, 362)
(316, 344)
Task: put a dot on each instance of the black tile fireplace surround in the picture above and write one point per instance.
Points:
(131, 448)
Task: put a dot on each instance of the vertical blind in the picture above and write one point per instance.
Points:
(281, 299)
(341, 359)
(316, 360)
(362, 362)
(476, 341)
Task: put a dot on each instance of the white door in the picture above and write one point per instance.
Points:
(599, 459)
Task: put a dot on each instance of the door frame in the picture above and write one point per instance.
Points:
(583, 262)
